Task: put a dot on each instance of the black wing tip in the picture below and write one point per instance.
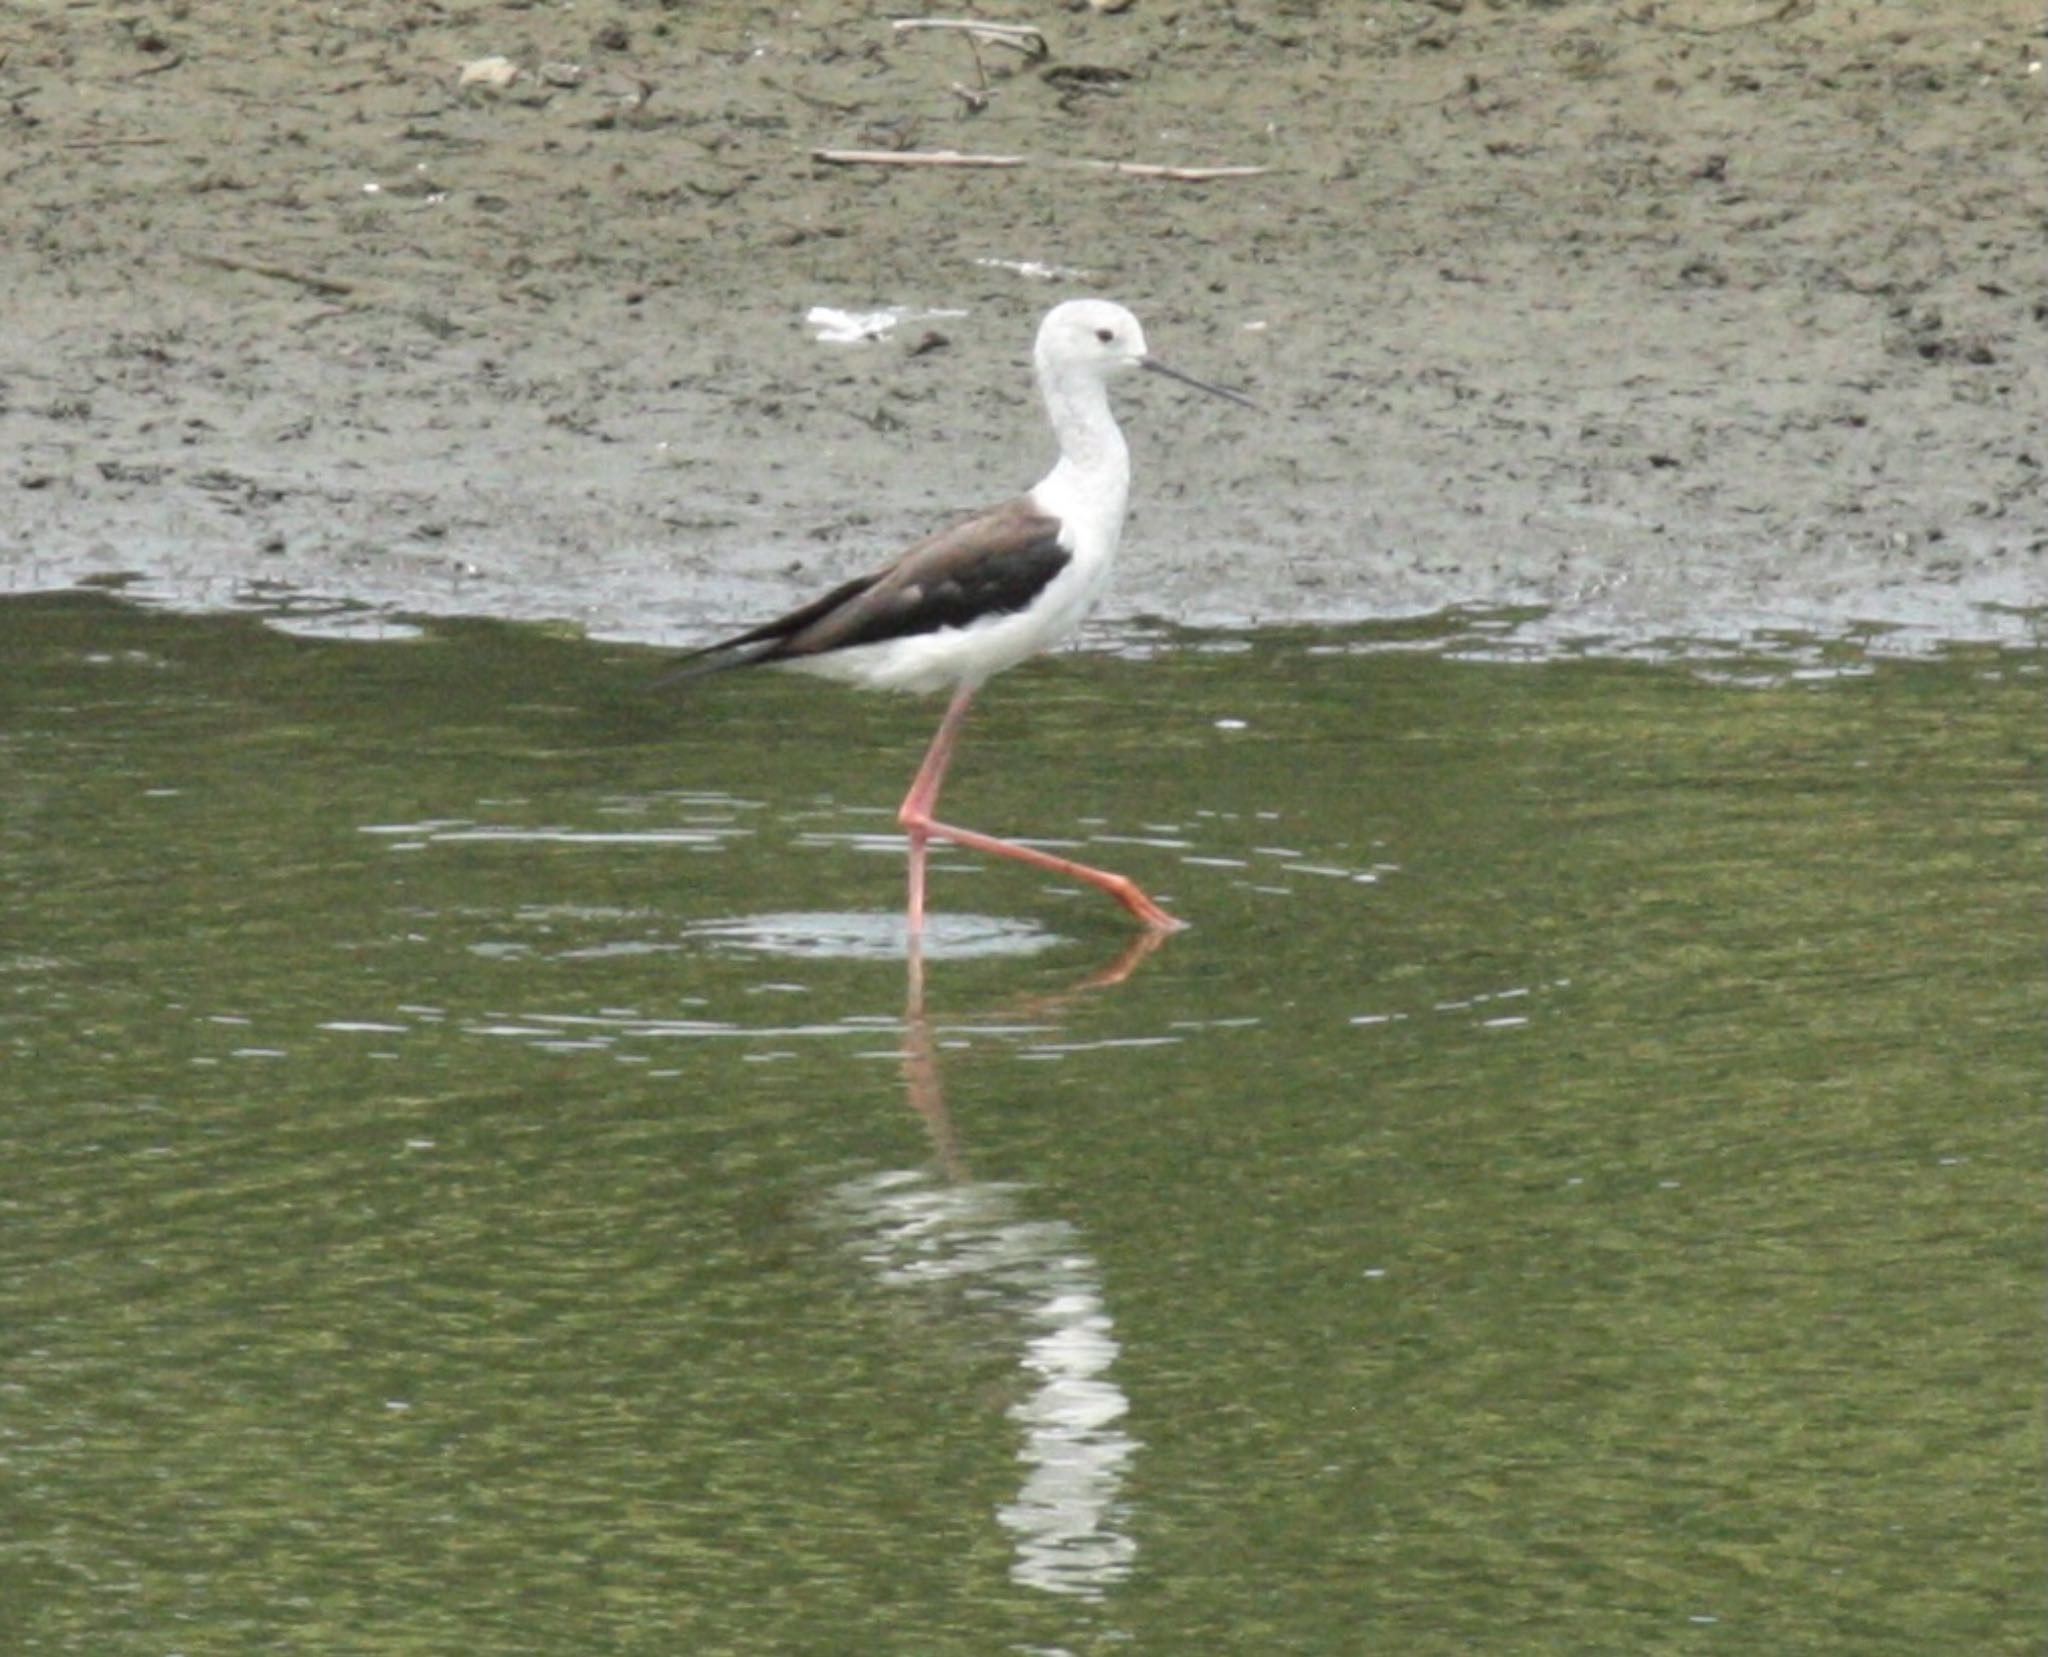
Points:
(715, 658)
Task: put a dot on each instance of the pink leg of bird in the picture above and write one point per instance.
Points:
(916, 817)
(915, 814)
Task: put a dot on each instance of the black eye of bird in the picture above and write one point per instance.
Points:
(1105, 334)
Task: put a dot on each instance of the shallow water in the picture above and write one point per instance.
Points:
(471, 1181)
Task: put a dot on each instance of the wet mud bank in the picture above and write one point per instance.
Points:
(1667, 321)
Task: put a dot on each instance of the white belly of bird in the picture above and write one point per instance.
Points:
(970, 655)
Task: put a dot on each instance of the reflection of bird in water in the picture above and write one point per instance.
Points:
(962, 605)
(958, 1234)
(972, 1251)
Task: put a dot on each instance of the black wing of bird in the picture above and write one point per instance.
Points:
(995, 564)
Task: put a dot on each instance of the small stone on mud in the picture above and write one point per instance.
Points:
(492, 74)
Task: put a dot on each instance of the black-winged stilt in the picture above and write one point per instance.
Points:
(957, 608)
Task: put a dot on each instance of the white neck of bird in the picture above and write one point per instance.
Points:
(1078, 404)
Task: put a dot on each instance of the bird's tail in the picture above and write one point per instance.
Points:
(772, 641)
(722, 657)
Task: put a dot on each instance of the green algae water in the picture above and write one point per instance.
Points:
(474, 1177)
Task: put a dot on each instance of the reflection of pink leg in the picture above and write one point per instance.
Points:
(916, 817)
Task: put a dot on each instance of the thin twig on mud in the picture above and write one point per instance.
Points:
(954, 158)
(110, 143)
(156, 68)
(1153, 169)
(915, 158)
(1020, 37)
(282, 273)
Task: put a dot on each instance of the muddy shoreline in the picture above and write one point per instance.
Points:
(1688, 322)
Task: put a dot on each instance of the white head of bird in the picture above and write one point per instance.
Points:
(1090, 336)
(1095, 338)
(1081, 343)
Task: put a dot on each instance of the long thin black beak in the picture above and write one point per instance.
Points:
(1159, 367)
